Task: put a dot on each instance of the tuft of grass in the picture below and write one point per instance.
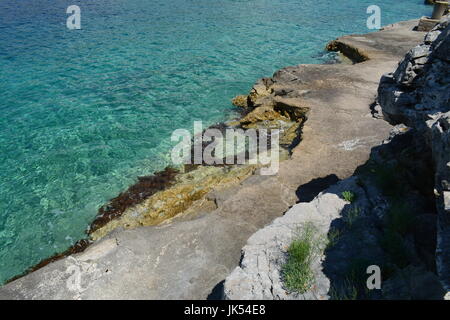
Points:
(352, 215)
(333, 237)
(297, 273)
(353, 286)
(349, 196)
(348, 291)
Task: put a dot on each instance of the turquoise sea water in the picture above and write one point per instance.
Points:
(83, 112)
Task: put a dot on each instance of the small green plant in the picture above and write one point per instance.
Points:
(348, 291)
(349, 196)
(351, 215)
(297, 273)
(333, 238)
(353, 286)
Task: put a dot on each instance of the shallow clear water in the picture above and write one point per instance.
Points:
(84, 112)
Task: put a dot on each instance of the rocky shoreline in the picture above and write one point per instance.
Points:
(177, 192)
(209, 213)
(397, 218)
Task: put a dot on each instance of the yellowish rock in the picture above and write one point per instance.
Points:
(240, 101)
(189, 190)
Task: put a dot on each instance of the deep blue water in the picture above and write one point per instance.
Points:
(83, 112)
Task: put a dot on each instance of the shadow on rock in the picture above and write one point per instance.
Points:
(308, 191)
(389, 222)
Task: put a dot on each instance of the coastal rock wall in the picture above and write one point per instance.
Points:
(418, 95)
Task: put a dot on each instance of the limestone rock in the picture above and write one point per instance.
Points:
(258, 275)
(413, 283)
(418, 95)
(260, 90)
(264, 113)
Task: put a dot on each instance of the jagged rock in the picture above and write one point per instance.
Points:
(418, 95)
(413, 283)
(264, 113)
(240, 101)
(260, 90)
